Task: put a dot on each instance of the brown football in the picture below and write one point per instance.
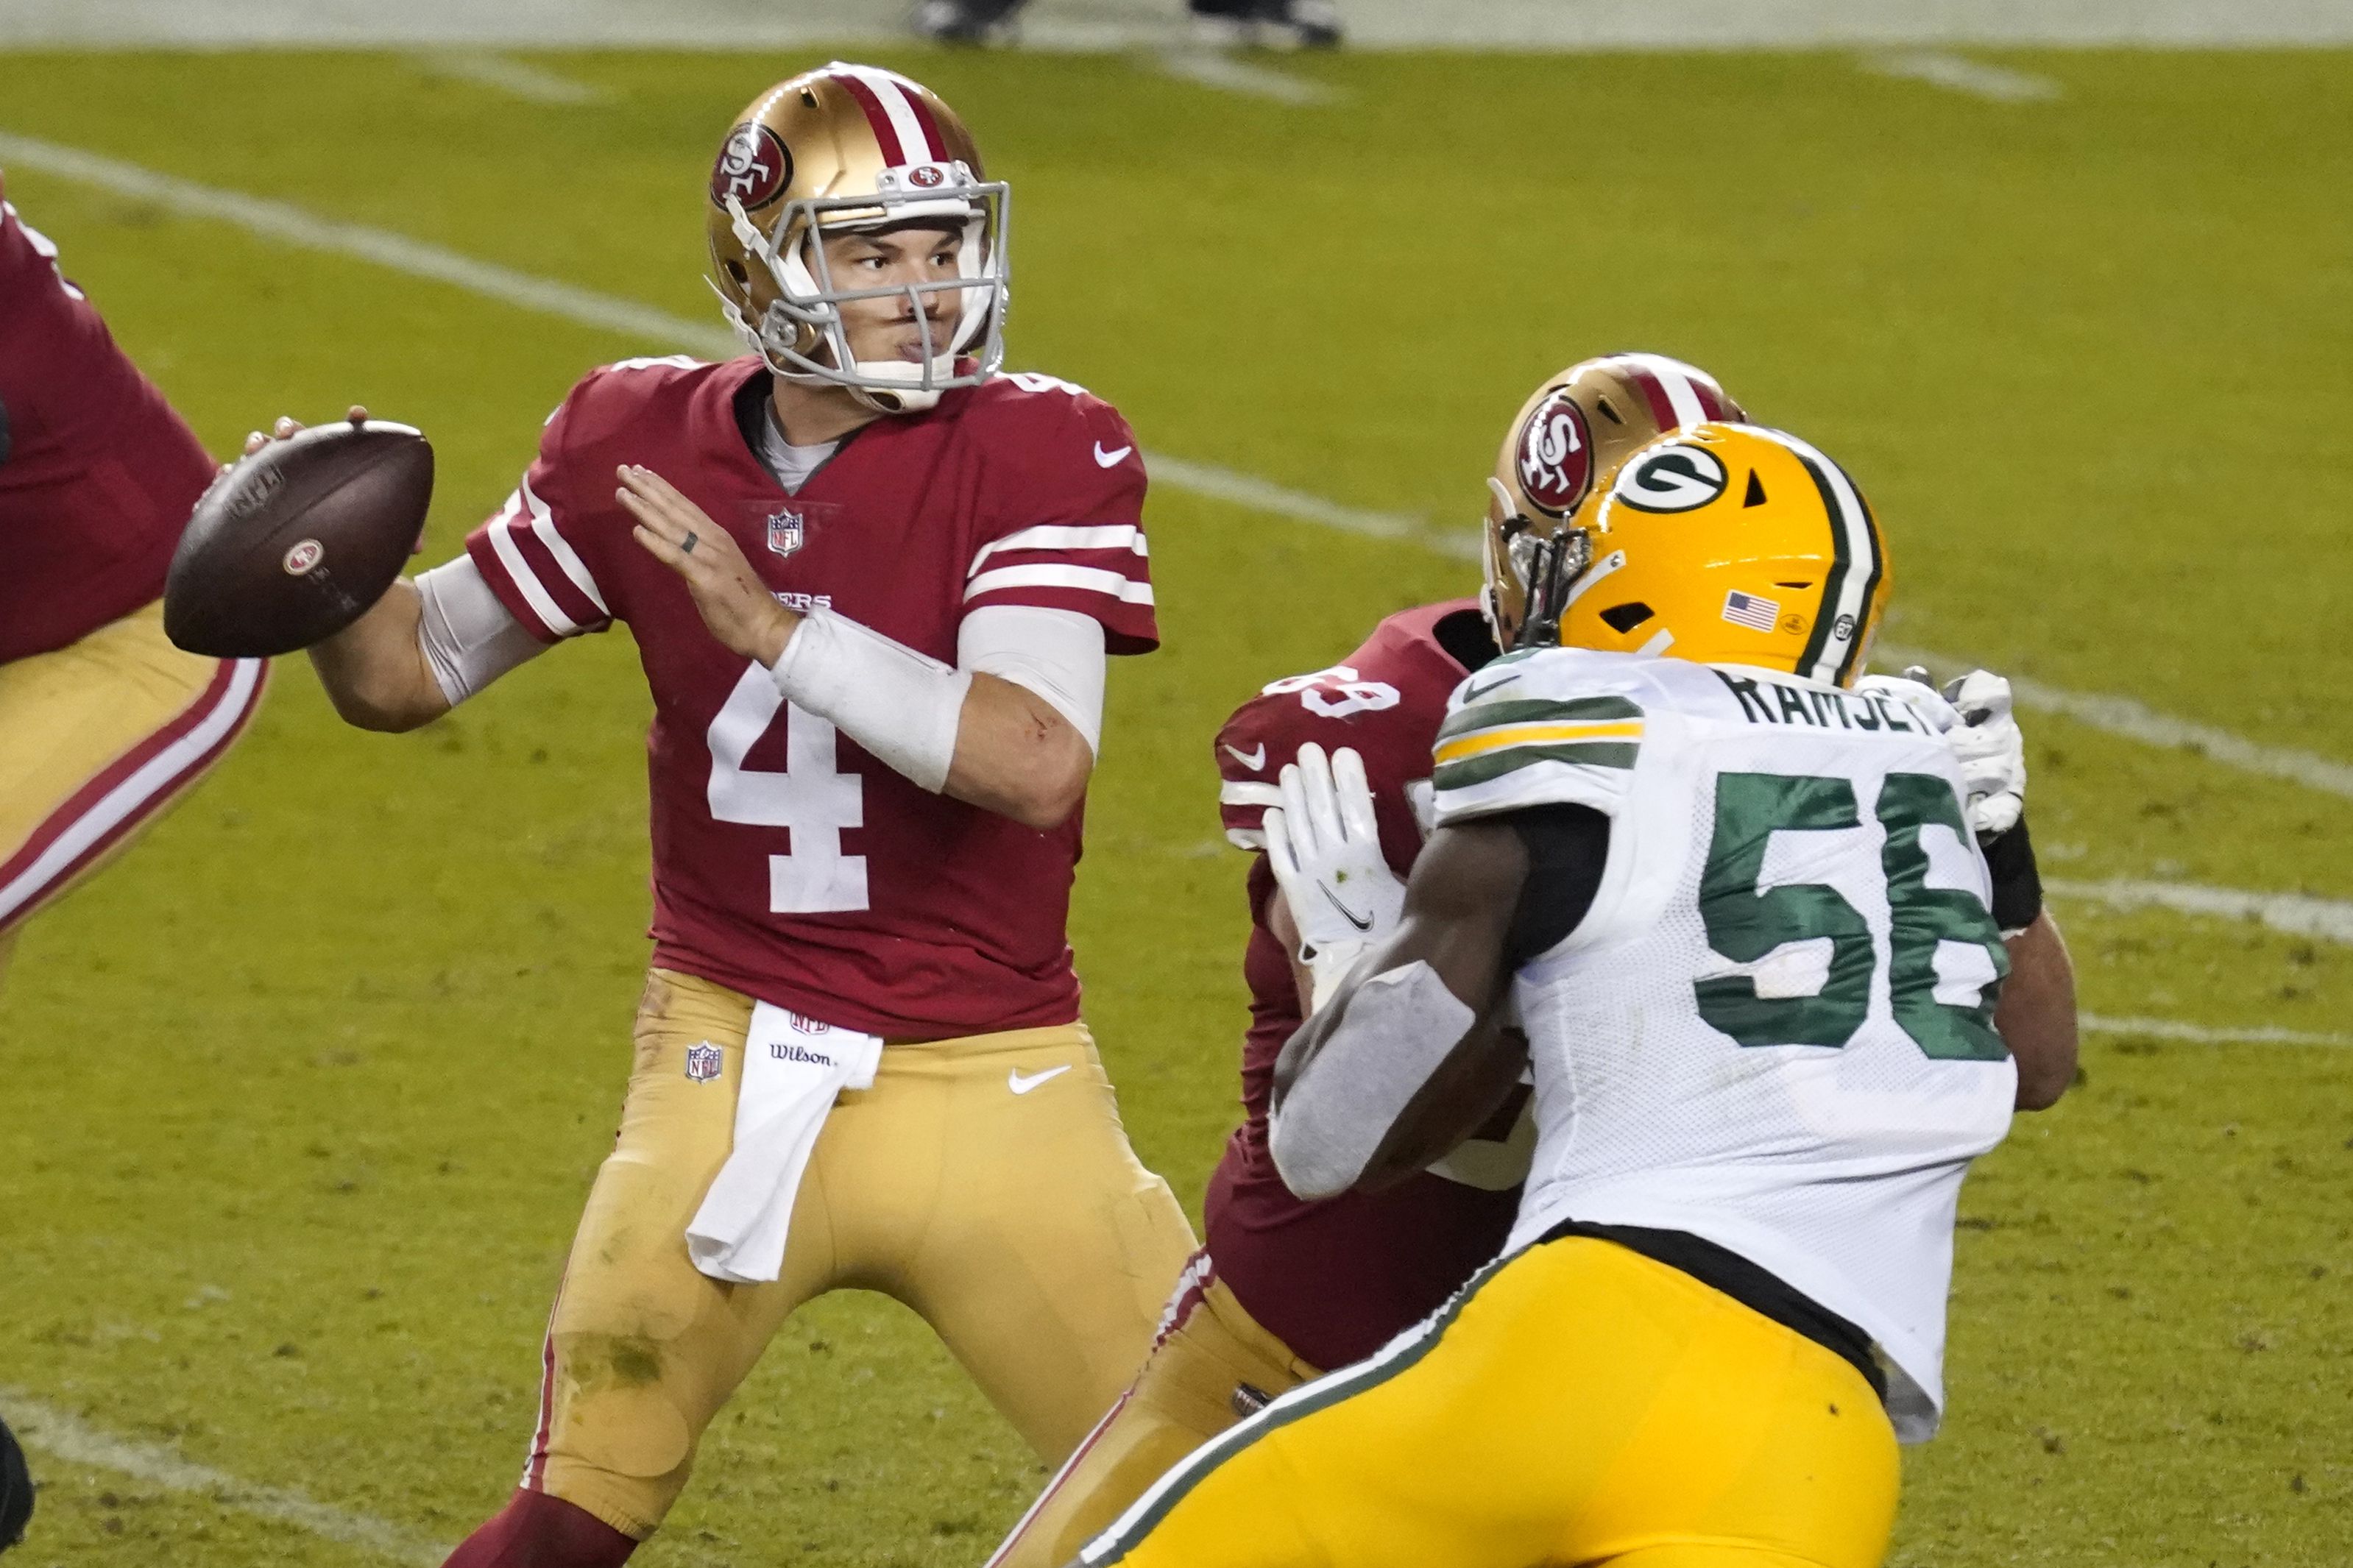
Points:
(294, 544)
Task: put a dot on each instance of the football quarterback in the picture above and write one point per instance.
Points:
(872, 582)
(1735, 906)
(1285, 1288)
(107, 724)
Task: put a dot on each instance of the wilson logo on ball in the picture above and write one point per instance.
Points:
(302, 556)
(1671, 479)
(753, 167)
(1556, 461)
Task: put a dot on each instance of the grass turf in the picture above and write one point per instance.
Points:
(304, 1094)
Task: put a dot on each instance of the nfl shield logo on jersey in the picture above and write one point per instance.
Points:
(702, 1062)
(786, 530)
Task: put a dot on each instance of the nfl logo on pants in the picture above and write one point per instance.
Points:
(703, 1062)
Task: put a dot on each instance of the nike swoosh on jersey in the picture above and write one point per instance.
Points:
(1362, 922)
(1476, 692)
(1109, 459)
(1019, 1085)
(1253, 761)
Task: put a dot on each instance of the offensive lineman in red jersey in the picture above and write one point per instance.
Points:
(1285, 1289)
(103, 722)
(872, 585)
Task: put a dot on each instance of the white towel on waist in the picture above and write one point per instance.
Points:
(793, 1068)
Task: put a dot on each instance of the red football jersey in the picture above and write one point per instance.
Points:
(1335, 1279)
(97, 474)
(787, 862)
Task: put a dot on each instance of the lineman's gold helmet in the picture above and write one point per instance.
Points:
(844, 148)
(1732, 544)
(1565, 444)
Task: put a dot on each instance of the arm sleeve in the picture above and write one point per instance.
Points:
(467, 635)
(1057, 654)
(1542, 736)
(1076, 540)
(529, 549)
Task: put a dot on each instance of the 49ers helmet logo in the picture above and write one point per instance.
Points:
(1671, 479)
(753, 167)
(1556, 459)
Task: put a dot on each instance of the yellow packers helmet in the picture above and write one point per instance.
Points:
(1566, 444)
(1732, 544)
(838, 150)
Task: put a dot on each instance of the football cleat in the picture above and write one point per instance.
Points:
(1563, 446)
(1267, 24)
(964, 21)
(835, 150)
(1731, 544)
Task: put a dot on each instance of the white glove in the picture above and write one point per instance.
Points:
(1990, 750)
(1973, 715)
(1324, 847)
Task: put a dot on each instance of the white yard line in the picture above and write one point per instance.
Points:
(2328, 919)
(68, 1438)
(2173, 1029)
(514, 78)
(1959, 73)
(1233, 73)
(658, 330)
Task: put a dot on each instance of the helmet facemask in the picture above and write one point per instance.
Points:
(803, 335)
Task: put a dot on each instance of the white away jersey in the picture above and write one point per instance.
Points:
(1773, 1029)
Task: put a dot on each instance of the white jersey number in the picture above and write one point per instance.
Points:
(811, 798)
(43, 246)
(1334, 693)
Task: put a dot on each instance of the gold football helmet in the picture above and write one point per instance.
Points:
(1567, 443)
(1731, 544)
(841, 149)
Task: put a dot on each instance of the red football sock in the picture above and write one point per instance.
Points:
(536, 1531)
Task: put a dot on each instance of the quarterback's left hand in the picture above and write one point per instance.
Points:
(1324, 847)
(733, 601)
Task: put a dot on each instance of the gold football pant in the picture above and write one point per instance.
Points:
(1578, 1403)
(96, 740)
(1212, 1366)
(1018, 1225)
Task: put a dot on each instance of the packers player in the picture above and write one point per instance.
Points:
(1282, 1287)
(105, 723)
(874, 583)
(1737, 905)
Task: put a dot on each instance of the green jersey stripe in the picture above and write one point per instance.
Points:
(1494, 764)
(1536, 711)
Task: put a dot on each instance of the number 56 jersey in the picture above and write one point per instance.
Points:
(1773, 1028)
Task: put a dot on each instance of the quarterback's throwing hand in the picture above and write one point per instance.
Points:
(1324, 845)
(733, 601)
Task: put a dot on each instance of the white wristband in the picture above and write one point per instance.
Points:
(890, 700)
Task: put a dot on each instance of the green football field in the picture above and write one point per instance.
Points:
(303, 1096)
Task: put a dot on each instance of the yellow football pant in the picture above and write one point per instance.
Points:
(96, 740)
(1019, 1225)
(1578, 1405)
(1185, 1394)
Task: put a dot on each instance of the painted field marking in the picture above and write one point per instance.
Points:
(506, 74)
(74, 1441)
(2328, 919)
(2173, 1029)
(1959, 73)
(293, 226)
(1226, 72)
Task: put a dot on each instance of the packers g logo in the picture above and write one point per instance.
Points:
(1671, 479)
(1555, 456)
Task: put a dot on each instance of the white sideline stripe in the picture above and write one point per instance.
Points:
(1224, 72)
(2293, 914)
(516, 78)
(276, 220)
(1958, 73)
(159, 774)
(2135, 722)
(73, 1441)
(2173, 1029)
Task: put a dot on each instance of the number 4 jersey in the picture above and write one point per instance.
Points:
(787, 863)
(1773, 1028)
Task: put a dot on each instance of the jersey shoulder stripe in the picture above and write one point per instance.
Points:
(1563, 727)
